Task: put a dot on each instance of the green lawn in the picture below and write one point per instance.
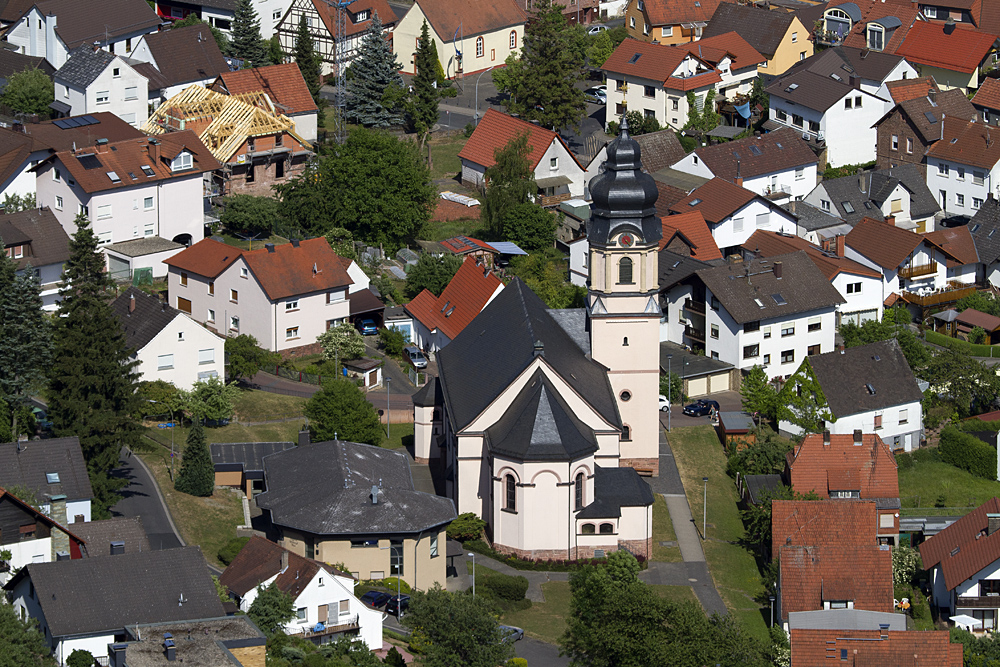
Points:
(698, 454)
(256, 405)
(439, 230)
(544, 620)
(400, 435)
(663, 531)
(924, 483)
(675, 593)
(277, 432)
(444, 154)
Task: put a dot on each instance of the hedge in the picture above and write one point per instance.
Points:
(229, 550)
(558, 565)
(968, 453)
(506, 587)
(961, 345)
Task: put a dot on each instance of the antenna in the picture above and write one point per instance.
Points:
(339, 68)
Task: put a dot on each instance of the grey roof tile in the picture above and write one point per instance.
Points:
(615, 488)
(28, 463)
(147, 320)
(843, 376)
(878, 186)
(985, 228)
(248, 455)
(99, 535)
(810, 217)
(674, 268)
(84, 66)
(762, 28)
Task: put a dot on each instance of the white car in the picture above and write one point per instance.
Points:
(596, 29)
(596, 95)
(664, 404)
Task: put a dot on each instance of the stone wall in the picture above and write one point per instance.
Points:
(645, 467)
(637, 547)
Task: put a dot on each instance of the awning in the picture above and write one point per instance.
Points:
(507, 248)
(965, 621)
(552, 181)
(61, 107)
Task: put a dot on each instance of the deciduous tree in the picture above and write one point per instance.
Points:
(249, 214)
(802, 401)
(28, 91)
(545, 273)
(211, 399)
(342, 342)
(245, 356)
(197, 475)
(374, 93)
(601, 48)
(758, 394)
(340, 409)
(530, 226)
(510, 181)
(431, 273)
(461, 629)
(271, 609)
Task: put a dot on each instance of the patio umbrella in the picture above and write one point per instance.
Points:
(965, 621)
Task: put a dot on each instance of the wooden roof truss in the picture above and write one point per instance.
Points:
(231, 119)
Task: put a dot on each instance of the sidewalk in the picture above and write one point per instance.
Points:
(535, 579)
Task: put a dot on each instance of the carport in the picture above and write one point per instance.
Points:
(364, 304)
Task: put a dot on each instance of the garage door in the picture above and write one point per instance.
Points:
(184, 305)
(697, 386)
(719, 382)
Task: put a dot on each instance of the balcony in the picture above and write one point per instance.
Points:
(694, 334)
(978, 602)
(344, 625)
(918, 270)
(695, 306)
(945, 295)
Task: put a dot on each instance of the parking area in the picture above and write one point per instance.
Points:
(729, 401)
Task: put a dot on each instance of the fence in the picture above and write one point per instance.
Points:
(296, 376)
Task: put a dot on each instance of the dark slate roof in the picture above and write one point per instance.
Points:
(810, 217)
(539, 426)
(12, 62)
(674, 268)
(878, 186)
(28, 464)
(755, 484)
(49, 243)
(325, 488)
(147, 320)
(843, 375)
(97, 595)
(430, 394)
(659, 149)
(762, 28)
(985, 228)
(947, 105)
(802, 286)
(79, 24)
(574, 322)
(483, 360)
(250, 455)
(686, 363)
(84, 65)
(922, 201)
(186, 54)
(100, 534)
(817, 89)
(615, 488)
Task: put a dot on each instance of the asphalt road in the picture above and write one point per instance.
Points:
(140, 498)
(539, 653)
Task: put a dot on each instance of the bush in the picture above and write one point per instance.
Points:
(466, 527)
(469, 129)
(229, 550)
(557, 565)
(959, 345)
(389, 585)
(688, 143)
(393, 340)
(80, 658)
(517, 662)
(613, 127)
(926, 455)
(968, 453)
(904, 461)
(506, 587)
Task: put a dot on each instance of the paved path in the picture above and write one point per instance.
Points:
(142, 498)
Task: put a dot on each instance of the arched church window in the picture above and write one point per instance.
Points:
(626, 432)
(578, 483)
(607, 528)
(511, 503)
(625, 341)
(587, 529)
(625, 271)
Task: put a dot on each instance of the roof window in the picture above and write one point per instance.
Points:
(931, 118)
(836, 77)
(791, 87)
(755, 150)
(52, 477)
(736, 155)
(778, 144)
(848, 206)
(778, 299)
(975, 228)
(760, 304)
(870, 388)
(633, 59)
(114, 177)
(146, 169)
(694, 202)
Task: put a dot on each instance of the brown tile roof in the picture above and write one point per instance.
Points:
(80, 24)
(818, 88)
(12, 62)
(908, 89)
(208, 258)
(717, 200)
(967, 143)
(260, 559)
(869, 467)
(659, 150)
(669, 195)
(496, 129)
(100, 534)
(108, 126)
(886, 245)
(957, 243)
(988, 94)
(986, 14)
(870, 648)
(14, 150)
(464, 298)
(754, 156)
(692, 227)
(15, 9)
(470, 17)
(769, 244)
(155, 78)
(714, 49)
(282, 83)
(658, 62)
(847, 523)
(962, 51)
(184, 55)
(91, 166)
(289, 271)
(762, 28)
(810, 575)
(975, 318)
(672, 12)
(48, 242)
(964, 548)
(951, 104)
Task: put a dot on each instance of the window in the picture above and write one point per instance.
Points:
(180, 336)
(147, 203)
(667, 31)
(103, 97)
(857, 102)
(292, 305)
(715, 331)
(631, 22)
(674, 105)
(942, 169)
(626, 432)
(244, 272)
(362, 16)
(767, 332)
(782, 115)
(511, 499)
(978, 177)
(181, 162)
(645, 28)
(479, 47)
(737, 224)
(800, 173)
(554, 163)
(234, 324)
(750, 327)
(334, 297)
(788, 356)
(854, 288)
(211, 288)
(751, 351)
(625, 271)
(587, 529)
(275, 16)
(895, 142)
(959, 200)
(56, 174)
(396, 558)
(802, 56)
(909, 145)
(184, 279)
(787, 330)
(814, 325)
(989, 587)
(234, 296)
(976, 202)
(648, 91)
(578, 490)
(767, 359)
(795, 37)
(796, 120)
(300, 614)
(131, 92)
(513, 39)
(813, 349)
(930, 12)
(607, 529)
(128, 45)
(59, 203)
(164, 362)
(51, 478)
(211, 315)
(824, 204)
(291, 332)
(876, 37)
(763, 219)
(847, 103)
(903, 417)
(434, 546)
(961, 173)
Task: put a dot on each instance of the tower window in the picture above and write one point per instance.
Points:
(625, 341)
(626, 395)
(511, 493)
(626, 432)
(578, 483)
(625, 271)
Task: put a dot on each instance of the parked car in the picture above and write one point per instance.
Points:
(664, 404)
(511, 634)
(596, 29)
(397, 605)
(367, 327)
(597, 95)
(701, 408)
(375, 599)
(415, 356)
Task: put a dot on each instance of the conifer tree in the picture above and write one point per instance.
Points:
(197, 476)
(307, 58)
(247, 42)
(25, 343)
(373, 94)
(92, 382)
(424, 103)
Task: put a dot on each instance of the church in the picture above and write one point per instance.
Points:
(543, 420)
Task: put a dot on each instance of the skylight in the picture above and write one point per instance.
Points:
(760, 304)
(631, 61)
(114, 177)
(990, 235)
(676, 264)
(755, 150)
(847, 68)
(736, 155)
(975, 228)
(848, 206)
(868, 205)
(778, 299)
(778, 144)
(146, 169)
(694, 202)
(931, 118)
(791, 87)
(870, 388)
(52, 477)
(836, 77)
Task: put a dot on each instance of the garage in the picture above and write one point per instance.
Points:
(696, 386)
(718, 382)
(700, 375)
(118, 268)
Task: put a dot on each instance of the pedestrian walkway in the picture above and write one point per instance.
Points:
(535, 579)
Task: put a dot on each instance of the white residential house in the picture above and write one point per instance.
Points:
(38, 538)
(93, 80)
(167, 343)
(963, 168)
(834, 97)
(284, 296)
(321, 593)
(50, 468)
(182, 57)
(53, 28)
(868, 388)
(34, 237)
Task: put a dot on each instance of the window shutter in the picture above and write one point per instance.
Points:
(206, 356)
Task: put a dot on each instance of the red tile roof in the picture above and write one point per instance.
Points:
(717, 200)
(282, 83)
(904, 10)
(463, 245)
(869, 467)
(465, 297)
(328, 14)
(869, 648)
(975, 318)
(848, 523)
(962, 51)
(714, 49)
(910, 89)
(471, 17)
(691, 226)
(810, 575)
(885, 244)
(496, 129)
(260, 559)
(957, 243)
(673, 12)
(967, 143)
(669, 195)
(964, 548)
(770, 244)
(658, 62)
(988, 94)
(207, 257)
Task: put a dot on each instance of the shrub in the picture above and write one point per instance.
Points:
(229, 550)
(968, 453)
(507, 587)
(466, 527)
(613, 127)
(80, 658)
(393, 340)
(469, 129)
(926, 455)
(517, 662)
(904, 461)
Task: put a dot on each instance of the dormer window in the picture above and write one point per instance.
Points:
(362, 16)
(838, 22)
(876, 37)
(845, 494)
(182, 162)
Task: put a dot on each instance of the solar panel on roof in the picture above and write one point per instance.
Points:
(73, 122)
(61, 124)
(90, 120)
(89, 161)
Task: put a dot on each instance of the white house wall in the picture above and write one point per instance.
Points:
(126, 94)
(35, 35)
(579, 253)
(797, 182)
(186, 351)
(736, 229)
(25, 553)
(566, 166)
(864, 305)
(961, 196)
(895, 432)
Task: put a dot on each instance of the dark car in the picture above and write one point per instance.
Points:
(375, 598)
(397, 604)
(511, 634)
(701, 408)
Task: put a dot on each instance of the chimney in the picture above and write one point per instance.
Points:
(993, 523)
(131, 304)
(102, 145)
(539, 349)
(304, 438)
(792, 206)
(949, 26)
(841, 243)
(826, 437)
(942, 126)
(295, 243)
(57, 511)
(891, 219)
(116, 655)
(854, 81)
(284, 560)
(169, 649)
(857, 436)
(269, 246)
(861, 183)
(154, 150)
(776, 268)
(374, 495)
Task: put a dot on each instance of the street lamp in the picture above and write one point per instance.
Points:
(704, 515)
(398, 585)
(473, 573)
(173, 425)
(387, 415)
(771, 598)
(670, 397)
(477, 92)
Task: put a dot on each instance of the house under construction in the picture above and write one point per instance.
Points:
(256, 144)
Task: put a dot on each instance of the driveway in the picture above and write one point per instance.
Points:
(729, 401)
(141, 498)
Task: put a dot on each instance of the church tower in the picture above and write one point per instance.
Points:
(623, 309)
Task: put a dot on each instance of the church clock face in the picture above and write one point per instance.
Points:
(626, 240)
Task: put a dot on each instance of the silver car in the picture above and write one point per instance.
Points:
(415, 356)
(597, 95)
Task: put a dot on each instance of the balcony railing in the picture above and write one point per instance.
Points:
(694, 334)
(342, 625)
(978, 602)
(695, 306)
(917, 270)
(950, 294)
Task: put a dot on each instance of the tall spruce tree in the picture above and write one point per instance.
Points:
(92, 382)
(25, 344)
(424, 102)
(197, 476)
(247, 42)
(308, 59)
(373, 95)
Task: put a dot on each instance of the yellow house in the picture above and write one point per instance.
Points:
(781, 37)
(668, 21)
(470, 37)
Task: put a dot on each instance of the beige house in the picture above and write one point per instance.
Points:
(344, 502)
(779, 36)
(470, 36)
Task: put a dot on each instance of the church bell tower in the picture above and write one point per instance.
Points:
(623, 234)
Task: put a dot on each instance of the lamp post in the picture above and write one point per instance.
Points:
(704, 514)
(173, 425)
(771, 598)
(670, 396)
(387, 415)
(477, 92)
(398, 585)
(473, 573)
